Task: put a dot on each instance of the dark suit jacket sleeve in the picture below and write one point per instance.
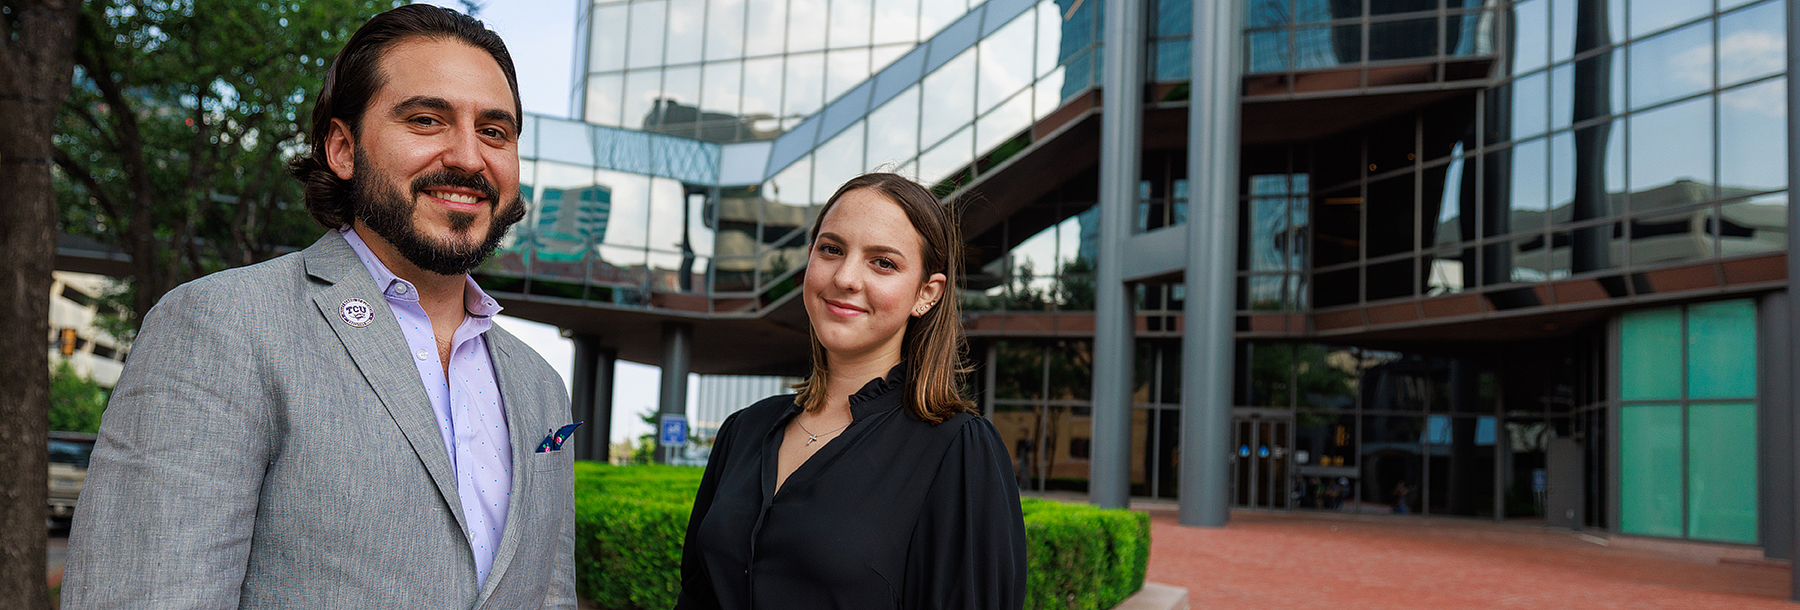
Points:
(170, 501)
(968, 550)
(696, 584)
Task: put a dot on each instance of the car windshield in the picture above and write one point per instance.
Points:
(74, 454)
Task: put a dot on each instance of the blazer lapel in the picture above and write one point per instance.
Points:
(518, 428)
(379, 351)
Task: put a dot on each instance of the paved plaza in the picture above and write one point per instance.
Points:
(1307, 560)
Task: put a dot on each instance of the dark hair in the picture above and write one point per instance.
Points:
(355, 77)
(933, 346)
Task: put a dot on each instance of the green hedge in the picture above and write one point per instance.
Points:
(629, 523)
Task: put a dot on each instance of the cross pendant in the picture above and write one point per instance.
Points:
(811, 438)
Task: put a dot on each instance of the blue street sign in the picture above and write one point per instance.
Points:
(674, 429)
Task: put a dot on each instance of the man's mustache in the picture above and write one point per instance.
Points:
(449, 178)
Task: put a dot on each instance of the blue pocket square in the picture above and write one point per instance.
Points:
(555, 440)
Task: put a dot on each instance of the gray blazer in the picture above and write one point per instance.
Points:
(261, 452)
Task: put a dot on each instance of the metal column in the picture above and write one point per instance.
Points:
(1207, 314)
(678, 345)
(1121, 140)
(590, 397)
(1792, 368)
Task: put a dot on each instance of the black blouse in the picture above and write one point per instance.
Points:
(893, 513)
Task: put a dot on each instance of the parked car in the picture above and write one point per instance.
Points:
(69, 452)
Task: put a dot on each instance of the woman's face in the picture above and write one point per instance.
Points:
(865, 278)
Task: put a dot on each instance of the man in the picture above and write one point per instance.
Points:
(344, 427)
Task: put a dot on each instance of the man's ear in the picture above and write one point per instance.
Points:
(340, 150)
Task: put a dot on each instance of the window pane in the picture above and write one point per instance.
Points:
(1532, 48)
(647, 33)
(686, 35)
(1650, 469)
(720, 85)
(1002, 125)
(849, 23)
(1671, 144)
(950, 94)
(1271, 366)
(725, 29)
(1721, 481)
(1751, 43)
(1403, 39)
(1753, 137)
(805, 85)
(1530, 111)
(947, 160)
(1529, 186)
(767, 31)
(641, 90)
(1650, 354)
(1651, 15)
(603, 100)
(896, 21)
(1005, 63)
(894, 130)
(762, 87)
(1722, 349)
(935, 14)
(838, 161)
(843, 70)
(1680, 64)
(806, 25)
(1172, 60)
(606, 52)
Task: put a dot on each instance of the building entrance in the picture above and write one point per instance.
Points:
(1261, 463)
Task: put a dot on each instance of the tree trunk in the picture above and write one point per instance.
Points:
(36, 51)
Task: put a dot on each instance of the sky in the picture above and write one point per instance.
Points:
(540, 34)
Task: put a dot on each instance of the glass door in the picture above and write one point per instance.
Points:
(1260, 463)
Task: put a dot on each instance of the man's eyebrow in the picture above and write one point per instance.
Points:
(420, 102)
(426, 102)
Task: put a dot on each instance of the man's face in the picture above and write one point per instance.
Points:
(435, 166)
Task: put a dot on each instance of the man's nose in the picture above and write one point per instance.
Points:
(463, 152)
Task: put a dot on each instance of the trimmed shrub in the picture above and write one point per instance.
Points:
(630, 521)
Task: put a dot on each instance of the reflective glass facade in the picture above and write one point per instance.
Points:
(1470, 231)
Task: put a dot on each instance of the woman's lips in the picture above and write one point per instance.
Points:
(842, 309)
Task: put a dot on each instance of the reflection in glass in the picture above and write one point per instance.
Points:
(844, 69)
(1172, 60)
(1529, 111)
(1005, 59)
(896, 21)
(807, 25)
(1528, 206)
(947, 162)
(1754, 225)
(849, 23)
(766, 29)
(721, 90)
(837, 161)
(950, 94)
(894, 130)
(572, 212)
(1683, 65)
(1531, 26)
(1002, 125)
(641, 90)
(935, 14)
(647, 33)
(1174, 17)
(1047, 95)
(725, 29)
(1392, 464)
(1671, 144)
(1753, 136)
(1651, 15)
(606, 48)
(603, 94)
(1403, 39)
(1751, 43)
(762, 87)
(805, 84)
(629, 218)
(667, 204)
(792, 186)
(687, 19)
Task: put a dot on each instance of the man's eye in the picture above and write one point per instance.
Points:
(424, 120)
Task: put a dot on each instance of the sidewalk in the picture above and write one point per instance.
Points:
(1310, 560)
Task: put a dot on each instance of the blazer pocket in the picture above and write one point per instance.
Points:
(551, 460)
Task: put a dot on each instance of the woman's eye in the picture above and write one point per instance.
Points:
(884, 263)
(828, 249)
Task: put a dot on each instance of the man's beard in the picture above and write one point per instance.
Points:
(390, 214)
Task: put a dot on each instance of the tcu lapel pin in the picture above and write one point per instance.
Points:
(357, 313)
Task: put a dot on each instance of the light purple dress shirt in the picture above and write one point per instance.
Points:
(470, 414)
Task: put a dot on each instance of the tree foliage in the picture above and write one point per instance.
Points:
(171, 144)
(76, 401)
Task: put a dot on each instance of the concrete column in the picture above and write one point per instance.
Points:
(1208, 313)
(678, 345)
(1121, 142)
(590, 397)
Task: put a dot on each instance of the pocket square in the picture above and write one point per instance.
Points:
(555, 440)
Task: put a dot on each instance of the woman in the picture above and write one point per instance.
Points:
(876, 486)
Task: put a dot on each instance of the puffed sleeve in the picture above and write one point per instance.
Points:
(696, 585)
(968, 550)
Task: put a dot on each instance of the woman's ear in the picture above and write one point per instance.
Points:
(929, 293)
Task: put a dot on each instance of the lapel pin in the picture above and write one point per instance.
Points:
(357, 313)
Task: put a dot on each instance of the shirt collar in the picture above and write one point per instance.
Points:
(475, 300)
(879, 394)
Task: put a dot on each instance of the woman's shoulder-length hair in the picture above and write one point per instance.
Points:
(934, 347)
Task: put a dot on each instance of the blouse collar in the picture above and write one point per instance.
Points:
(879, 394)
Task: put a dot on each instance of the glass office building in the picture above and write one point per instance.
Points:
(1505, 260)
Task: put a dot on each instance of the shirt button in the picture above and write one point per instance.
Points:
(422, 355)
(401, 289)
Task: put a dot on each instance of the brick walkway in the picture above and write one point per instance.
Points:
(1301, 560)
